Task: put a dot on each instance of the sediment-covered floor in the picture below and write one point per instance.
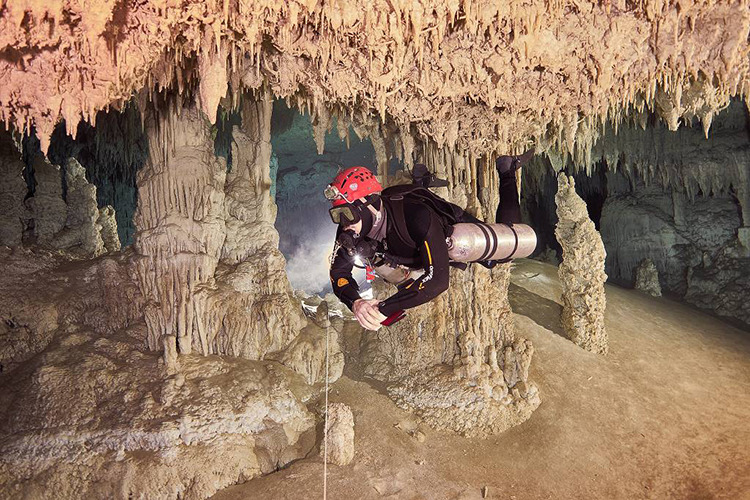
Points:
(664, 415)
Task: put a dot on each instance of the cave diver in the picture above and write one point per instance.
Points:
(409, 236)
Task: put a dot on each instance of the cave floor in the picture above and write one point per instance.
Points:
(664, 415)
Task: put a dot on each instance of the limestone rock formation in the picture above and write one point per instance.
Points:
(108, 224)
(473, 63)
(307, 355)
(455, 362)
(249, 310)
(43, 292)
(647, 278)
(582, 270)
(82, 232)
(12, 192)
(181, 228)
(72, 223)
(47, 207)
(339, 435)
(100, 431)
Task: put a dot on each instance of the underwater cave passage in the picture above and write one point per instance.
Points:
(299, 176)
(167, 327)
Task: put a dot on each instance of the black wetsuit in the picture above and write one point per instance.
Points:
(428, 252)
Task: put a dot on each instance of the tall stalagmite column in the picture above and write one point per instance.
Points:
(179, 222)
(581, 273)
(248, 312)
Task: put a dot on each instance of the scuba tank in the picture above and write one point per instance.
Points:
(472, 242)
(478, 241)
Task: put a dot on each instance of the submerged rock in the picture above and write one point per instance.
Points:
(647, 278)
(581, 272)
(340, 433)
(77, 424)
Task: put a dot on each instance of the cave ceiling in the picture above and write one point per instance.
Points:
(474, 76)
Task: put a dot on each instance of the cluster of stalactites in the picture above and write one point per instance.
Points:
(477, 77)
(647, 148)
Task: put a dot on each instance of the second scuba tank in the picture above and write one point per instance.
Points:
(396, 275)
(477, 241)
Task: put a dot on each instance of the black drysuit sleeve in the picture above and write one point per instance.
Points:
(342, 281)
(427, 232)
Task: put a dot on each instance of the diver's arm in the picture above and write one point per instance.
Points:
(434, 253)
(342, 281)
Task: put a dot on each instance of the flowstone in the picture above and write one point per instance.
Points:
(581, 272)
(75, 423)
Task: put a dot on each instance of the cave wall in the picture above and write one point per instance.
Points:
(12, 192)
(53, 206)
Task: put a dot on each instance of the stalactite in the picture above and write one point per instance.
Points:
(465, 94)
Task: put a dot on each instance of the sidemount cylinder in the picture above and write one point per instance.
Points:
(477, 241)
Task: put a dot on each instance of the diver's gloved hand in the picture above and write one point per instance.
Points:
(507, 165)
(368, 314)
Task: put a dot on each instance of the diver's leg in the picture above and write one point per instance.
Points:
(509, 208)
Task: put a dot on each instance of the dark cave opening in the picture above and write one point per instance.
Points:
(111, 152)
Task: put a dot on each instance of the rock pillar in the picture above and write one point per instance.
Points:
(47, 207)
(179, 222)
(581, 272)
(249, 311)
(82, 231)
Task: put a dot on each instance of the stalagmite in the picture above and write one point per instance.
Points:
(108, 225)
(12, 192)
(180, 223)
(340, 433)
(647, 278)
(581, 271)
(82, 231)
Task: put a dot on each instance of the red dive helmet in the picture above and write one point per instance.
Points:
(345, 191)
(351, 184)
